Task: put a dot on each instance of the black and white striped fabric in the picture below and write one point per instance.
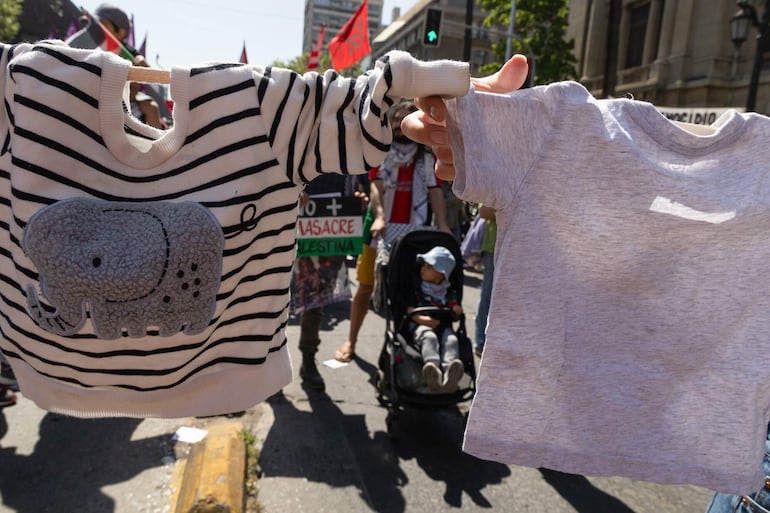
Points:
(244, 142)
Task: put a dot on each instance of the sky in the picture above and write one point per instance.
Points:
(188, 32)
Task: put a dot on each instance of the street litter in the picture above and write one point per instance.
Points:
(190, 435)
(335, 364)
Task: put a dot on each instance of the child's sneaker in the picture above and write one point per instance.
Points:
(452, 376)
(431, 374)
(7, 398)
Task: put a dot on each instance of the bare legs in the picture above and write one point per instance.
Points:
(358, 308)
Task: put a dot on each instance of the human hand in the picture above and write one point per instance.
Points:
(139, 60)
(378, 228)
(364, 198)
(304, 198)
(428, 125)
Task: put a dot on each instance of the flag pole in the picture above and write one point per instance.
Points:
(108, 34)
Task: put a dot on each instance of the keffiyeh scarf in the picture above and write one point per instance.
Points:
(401, 154)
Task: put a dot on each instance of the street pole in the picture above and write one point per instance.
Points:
(502, 34)
(762, 40)
(468, 34)
(509, 41)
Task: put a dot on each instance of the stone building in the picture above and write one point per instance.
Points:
(674, 53)
(333, 14)
(406, 33)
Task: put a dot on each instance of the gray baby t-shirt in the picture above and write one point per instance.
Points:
(628, 329)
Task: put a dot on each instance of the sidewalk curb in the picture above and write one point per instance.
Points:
(211, 478)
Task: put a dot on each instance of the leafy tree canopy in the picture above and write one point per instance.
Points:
(542, 25)
(299, 64)
(10, 10)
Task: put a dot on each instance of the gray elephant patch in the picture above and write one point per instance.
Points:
(129, 265)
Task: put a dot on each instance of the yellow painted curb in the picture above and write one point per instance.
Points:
(211, 479)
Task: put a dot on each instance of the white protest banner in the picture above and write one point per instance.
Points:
(329, 226)
(694, 115)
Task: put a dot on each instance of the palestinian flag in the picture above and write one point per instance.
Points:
(94, 35)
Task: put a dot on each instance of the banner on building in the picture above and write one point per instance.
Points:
(695, 115)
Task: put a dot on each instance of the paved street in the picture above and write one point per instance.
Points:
(332, 453)
(320, 452)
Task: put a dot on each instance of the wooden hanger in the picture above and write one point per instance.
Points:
(149, 75)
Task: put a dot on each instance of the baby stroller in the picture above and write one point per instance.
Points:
(399, 378)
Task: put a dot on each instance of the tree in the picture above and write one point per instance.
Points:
(542, 24)
(299, 64)
(10, 10)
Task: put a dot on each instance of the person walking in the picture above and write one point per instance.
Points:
(117, 23)
(324, 277)
(488, 262)
(401, 191)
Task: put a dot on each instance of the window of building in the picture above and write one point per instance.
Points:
(480, 32)
(639, 16)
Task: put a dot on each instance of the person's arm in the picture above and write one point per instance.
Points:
(454, 304)
(151, 113)
(424, 320)
(437, 204)
(487, 213)
(379, 225)
(428, 125)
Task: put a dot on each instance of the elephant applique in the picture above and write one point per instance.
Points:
(130, 266)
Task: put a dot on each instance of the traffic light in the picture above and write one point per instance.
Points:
(431, 35)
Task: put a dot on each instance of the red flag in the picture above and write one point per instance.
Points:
(244, 58)
(351, 44)
(315, 54)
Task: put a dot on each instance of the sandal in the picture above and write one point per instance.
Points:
(7, 398)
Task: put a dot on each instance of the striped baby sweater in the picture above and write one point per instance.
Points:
(144, 272)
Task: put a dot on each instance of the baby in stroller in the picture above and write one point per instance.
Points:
(433, 334)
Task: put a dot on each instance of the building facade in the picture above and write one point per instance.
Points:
(675, 53)
(406, 33)
(333, 14)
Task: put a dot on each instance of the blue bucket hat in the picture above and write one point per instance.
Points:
(440, 258)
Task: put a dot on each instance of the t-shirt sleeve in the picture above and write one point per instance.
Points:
(496, 140)
(322, 123)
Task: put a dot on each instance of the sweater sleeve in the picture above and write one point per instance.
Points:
(327, 123)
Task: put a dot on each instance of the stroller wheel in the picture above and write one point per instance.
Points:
(390, 424)
(382, 388)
